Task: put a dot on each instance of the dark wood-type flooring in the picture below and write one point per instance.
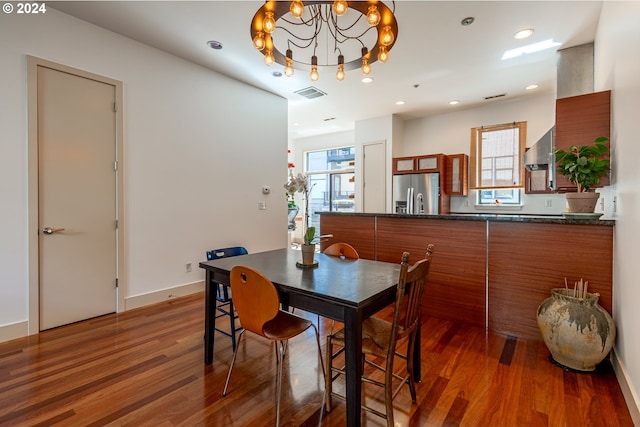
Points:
(145, 368)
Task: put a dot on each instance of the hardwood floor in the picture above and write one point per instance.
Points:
(145, 368)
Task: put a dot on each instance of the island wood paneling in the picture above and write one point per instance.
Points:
(491, 273)
(527, 260)
(456, 287)
(358, 231)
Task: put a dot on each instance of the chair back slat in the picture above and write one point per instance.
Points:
(255, 298)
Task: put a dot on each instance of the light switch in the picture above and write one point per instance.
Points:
(262, 206)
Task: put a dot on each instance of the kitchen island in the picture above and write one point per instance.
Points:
(489, 270)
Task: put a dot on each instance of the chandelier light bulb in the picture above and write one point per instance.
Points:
(288, 69)
(314, 76)
(383, 54)
(269, 58)
(340, 72)
(269, 23)
(366, 68)
(340, 7)
(386, 36)
(296, 9)
(373, 15)
(258, 41)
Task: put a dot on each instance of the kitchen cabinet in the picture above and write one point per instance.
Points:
(417, 164)
(579, 121)
(430, 163)
(457, 174)
(536, 182)
(404, 165)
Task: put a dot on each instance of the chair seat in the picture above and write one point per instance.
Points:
(285, 325)
(376, 336)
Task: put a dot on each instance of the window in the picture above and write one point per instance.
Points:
(497, 169)
(331, 172)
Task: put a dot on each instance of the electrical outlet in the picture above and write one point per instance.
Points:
(547, 203)
(187, 267)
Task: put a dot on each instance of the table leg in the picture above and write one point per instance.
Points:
(353, 365)
(209, 318)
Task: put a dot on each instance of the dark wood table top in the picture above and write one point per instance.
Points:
(352, 283)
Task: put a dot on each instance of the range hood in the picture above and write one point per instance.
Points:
(574, 77)
(540, 155)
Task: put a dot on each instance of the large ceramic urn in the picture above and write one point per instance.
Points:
(578, 331)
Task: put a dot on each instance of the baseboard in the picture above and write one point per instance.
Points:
(633, 403)
(14, 330)
(142, 300)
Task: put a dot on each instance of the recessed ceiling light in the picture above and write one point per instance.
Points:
(399, 102)
(531, 87)
(367, 79)
(530, 48)
(454, 102)
(214, 44)
(523, 34)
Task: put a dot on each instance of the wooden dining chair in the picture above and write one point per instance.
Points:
(258, 305)
(383, 340)
(342, 250)
(224, 301)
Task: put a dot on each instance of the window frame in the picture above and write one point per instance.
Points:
(475, 169)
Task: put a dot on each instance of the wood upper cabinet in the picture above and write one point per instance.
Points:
(404, 165)
(457, 174)
(579, 121)
(430, 163)
(417, 164)
(536, 182)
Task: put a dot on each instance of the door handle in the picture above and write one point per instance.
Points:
(49, 230)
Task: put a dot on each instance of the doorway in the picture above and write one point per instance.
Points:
(75, 195)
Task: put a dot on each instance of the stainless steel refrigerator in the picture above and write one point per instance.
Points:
(416, 194)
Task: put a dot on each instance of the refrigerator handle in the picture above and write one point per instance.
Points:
(410, 200)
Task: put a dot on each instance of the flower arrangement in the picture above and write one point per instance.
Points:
(300, 184)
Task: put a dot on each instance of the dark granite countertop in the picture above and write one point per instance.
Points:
(546, 219)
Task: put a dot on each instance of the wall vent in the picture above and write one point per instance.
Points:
(310, 92)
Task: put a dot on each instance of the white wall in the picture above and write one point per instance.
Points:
(617, 67)
(450, 133)
(193, 168)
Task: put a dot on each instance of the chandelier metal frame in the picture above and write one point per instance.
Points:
(320, 21)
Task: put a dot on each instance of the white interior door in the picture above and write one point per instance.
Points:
(373, 177)
(76, 197)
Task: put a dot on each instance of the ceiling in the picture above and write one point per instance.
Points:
(434, 60)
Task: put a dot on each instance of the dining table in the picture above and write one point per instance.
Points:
(345, 290)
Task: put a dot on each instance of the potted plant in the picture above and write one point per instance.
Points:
(300, 184)
(584, 166)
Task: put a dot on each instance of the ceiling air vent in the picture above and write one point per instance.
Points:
(310, 92)
(495, 96)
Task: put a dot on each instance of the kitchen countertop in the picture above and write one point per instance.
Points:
(507, 217)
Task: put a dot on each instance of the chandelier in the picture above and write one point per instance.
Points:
(338, 34)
